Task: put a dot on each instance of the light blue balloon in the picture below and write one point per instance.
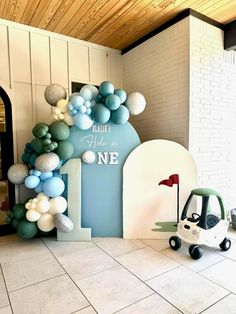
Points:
(77, 101)
(87, 104)
(82, 109)
(37, 173)
(57, 174)
(39, 188)
(31, 182)
(101, 114)
(122, 95)
(112, 102)
(106, 88)
(83, 121)
(86, 93)
(53, 187)
(46, 175)
(93, 89)
(121, 115)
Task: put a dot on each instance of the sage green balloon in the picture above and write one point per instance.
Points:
(64, 150)
(37, 145)
(19, 211)
(59, 130)
(27, 229)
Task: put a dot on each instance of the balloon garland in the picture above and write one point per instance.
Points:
(50, 149)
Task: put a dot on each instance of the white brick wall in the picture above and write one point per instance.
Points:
(212, 118)
(158, 68)
(189, 82)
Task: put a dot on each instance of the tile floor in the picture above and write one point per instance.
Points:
(111, 275)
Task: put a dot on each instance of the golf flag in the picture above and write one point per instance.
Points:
(173, 179)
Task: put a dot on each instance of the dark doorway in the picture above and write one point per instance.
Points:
(7, 190)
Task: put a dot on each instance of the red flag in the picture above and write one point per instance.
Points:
(173, 179)
(167, 182)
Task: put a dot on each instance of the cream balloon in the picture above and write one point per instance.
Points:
(42, 206)
(32, 215)
(46, 222)
(57, 205)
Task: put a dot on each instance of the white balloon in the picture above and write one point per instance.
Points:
(46, 222)
(42, 206)
(135, 103)
(47, 162)
(57, 205)
(88, 157)
(68, 119)
(32, 215)
(42, 196)
(62, 105)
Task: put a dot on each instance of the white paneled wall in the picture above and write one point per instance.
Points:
(31, 59)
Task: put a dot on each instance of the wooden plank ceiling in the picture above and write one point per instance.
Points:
(112, 23)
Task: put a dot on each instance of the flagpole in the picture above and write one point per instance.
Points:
(178, 203)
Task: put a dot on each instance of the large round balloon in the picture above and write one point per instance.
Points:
(46, 222)
(112, 102)
(64, 150)
(63, 223)
(136, 103)
(47, 162)
(86, 93)
(27, 229)
(53, 186)
(83, 121)
(106, 88)
(101, 114)
(121, 115)
(17, 173)
(59, 130)
(53, 93)
(57, 205)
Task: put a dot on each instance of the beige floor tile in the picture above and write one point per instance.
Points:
(60, 249)
(118, 246)
(55, 296)
(3, 292)
(87, 310)
(113, 290)
(86, 262)
(210, 257)
(223, 274)
(188, 291)
(6, 310)
(225, 306)
(13, 248)
(146, 263)
(157, 244)
(150, 305)
(30, 270)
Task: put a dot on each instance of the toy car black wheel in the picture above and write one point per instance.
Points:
(175, 243)
(195, 251)
(225, 244)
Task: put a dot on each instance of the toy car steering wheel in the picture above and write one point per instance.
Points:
(196, 217)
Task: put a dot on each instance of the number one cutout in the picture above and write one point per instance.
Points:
(73, 170)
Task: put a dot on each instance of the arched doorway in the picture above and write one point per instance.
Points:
(7, 191)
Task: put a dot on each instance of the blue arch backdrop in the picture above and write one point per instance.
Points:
(102, 181)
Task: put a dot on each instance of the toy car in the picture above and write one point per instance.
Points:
(202, 229)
